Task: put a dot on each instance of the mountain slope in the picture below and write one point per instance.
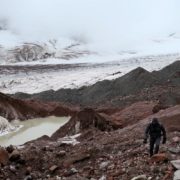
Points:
(130, 84)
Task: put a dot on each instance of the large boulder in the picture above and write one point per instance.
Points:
(177, 175)
(170, 118)
(132, 114)
(176, 164)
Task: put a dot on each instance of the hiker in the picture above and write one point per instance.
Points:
(155, 130)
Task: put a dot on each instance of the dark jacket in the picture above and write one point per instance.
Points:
(155, 130)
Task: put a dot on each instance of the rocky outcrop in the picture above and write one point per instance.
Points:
(171, 118)
(97, 153)
(134, 113)
(12, 108)
(28, 52)
(84, 120)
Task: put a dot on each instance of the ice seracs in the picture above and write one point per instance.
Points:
(5, 126)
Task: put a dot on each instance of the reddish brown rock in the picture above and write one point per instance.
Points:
(159, 158)
(85, 119)
(132, 114)
(4, 157)
(170, 118)
(28, 170)
(53, 168)
(159, 107)
(12, 108)
(76, 158)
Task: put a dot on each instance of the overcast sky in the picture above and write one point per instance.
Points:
(113, 22)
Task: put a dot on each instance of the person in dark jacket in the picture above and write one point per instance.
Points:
(155, 130)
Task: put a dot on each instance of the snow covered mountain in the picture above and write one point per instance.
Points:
(71, 63)
(98, 40)
(14, 50)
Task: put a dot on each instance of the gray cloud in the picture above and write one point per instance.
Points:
(109, 23)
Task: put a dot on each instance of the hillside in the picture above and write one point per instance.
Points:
(97, 152)
(104, 141)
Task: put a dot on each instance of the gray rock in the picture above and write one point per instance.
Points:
(176, 139)
(71, 172)
(29, 177)
(74, 170)
(176, 164)
(103, 177)
(174, 150)
(104, 165)
(58, 178)
(140, 177)
(53, 168)
(177, 175)
(61, 153)
(12, 168)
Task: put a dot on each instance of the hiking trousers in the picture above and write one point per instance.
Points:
(154, 145)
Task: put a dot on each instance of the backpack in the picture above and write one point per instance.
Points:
(155, 130)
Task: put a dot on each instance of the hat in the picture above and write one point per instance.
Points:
(155, 120)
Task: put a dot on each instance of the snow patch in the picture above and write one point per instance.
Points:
(69, 140)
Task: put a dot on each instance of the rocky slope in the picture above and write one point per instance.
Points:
(104, 141)
(96, 153)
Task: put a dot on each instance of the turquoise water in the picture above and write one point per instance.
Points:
(32, 129)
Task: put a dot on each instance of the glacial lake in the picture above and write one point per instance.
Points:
(32, 129)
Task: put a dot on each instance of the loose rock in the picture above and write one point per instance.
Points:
(10, 149)
(177, 175)
(159, 158)
(15, 156)
(140, 177)
(104, 165)
(28, 170)
(174, 150)
(53, 168)
(176, 164)
(3, 156)
(12, 168)
(176, 139)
